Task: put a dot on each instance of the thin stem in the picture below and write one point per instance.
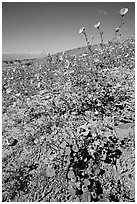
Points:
(122, 22)
(101, 35)
(117, 32)
(88, 43)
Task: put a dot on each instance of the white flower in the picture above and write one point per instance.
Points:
(123, 11)
(84, 55)
(96, 112)
(97, 25)
(96, 60)
(82, 30)
(61, 58)
(117, 29)
(67, 63)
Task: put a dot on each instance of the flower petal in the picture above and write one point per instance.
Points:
(97, 25)
(123, 11)
(117, 29)
(82, 30)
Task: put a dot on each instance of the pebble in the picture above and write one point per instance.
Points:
(17, 94)
(63, 145)
(75, 148)
(71, 174)
(11, 141)
(36, 141)
(8, 90)
(86, 182)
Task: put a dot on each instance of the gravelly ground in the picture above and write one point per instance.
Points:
(68, 127)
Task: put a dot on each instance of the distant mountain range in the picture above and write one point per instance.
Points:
(20, 56)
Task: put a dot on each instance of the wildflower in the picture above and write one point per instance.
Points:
(67, 63)
(123, 11)
(84, 55)
(61, 58)
(117, 29)
(97, 25)
(82, 30)
(96, 60)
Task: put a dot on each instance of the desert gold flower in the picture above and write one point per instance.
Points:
(117, 29)
(97, 25)
(123, 11)
(82, 30)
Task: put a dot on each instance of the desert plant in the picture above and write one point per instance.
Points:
(101, 33)
(83, 31)
(122, 13)
(92, 37)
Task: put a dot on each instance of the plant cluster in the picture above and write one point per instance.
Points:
(68, 126)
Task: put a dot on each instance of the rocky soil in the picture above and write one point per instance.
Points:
(68, 127)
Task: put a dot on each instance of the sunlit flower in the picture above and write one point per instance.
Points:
(96, 60)
(123, 11)
(82, 30)
(61, 58)
(67, 63)
(117, 29)
(97, 25)
(85, 55)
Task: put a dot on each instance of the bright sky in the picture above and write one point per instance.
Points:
(35, 26)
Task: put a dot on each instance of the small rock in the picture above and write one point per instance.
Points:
(63, 145)
(11, 141)
(86, 182)
(39, 84)
(61, 152)
(67, 151)
(70, 141)
(17, 94)
(48, 96)
(96, 112)
(71, 189)
(50, 172)
(75, 148)
(71, 174)
(84, 188)
(36, 141)
(42, 92)
(8, 90)
(74, 113)
(73, 179)
(77, 199)
(78, 184)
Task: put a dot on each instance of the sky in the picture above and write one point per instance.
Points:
(39, 27)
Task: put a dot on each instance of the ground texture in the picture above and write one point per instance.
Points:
(68, 127)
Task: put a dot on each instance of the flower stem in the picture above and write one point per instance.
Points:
(117, 32)
(101, 35)
(88, 43)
